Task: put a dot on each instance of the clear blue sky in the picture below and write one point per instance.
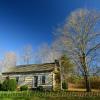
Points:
(32, 21)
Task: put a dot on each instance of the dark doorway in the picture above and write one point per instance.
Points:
(17, 79)
(35, 81)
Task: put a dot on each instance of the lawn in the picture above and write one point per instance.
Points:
(29, 95)
(54, 98)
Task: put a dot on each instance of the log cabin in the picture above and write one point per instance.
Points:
(35, 75)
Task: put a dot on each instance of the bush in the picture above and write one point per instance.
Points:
(64, 85)
(12, 84)
(0, 87)
(24, 87)
(9, 85)
(94, 82)
(40, 88)
(5, 85)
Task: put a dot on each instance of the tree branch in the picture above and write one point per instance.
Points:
(93, 49)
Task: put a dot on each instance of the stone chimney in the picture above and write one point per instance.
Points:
(57, 63)
(56, 77)
(57, 66)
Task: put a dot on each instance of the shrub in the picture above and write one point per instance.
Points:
(24, 87)
(95, 82)
(5, 85)
(0, 87)
(64, 85)
(12, 84)
(40, 88)
(9, 85)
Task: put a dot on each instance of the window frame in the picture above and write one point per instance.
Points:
(43, 79)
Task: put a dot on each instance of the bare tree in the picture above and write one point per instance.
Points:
(41, 53)
(1, 66)
(95, 71)
(80, 39)
(9, 61)
(27, 54)
(46, 54)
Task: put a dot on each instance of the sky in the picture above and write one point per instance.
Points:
(32, 22)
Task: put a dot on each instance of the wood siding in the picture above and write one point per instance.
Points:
(28, 79)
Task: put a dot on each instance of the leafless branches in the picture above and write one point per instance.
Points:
(80, 37)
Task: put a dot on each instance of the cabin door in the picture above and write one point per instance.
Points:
(35, 81)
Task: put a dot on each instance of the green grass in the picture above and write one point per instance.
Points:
(28, 95)
(52, 98)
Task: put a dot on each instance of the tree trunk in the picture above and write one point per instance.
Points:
(87, 83)
(86, 73)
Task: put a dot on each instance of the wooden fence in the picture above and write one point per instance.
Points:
(48, 94)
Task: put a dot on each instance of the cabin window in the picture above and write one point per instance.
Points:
(43, 79)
